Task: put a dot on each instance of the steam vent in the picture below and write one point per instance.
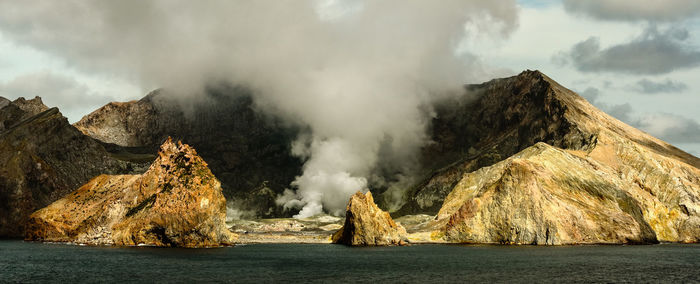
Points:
(367, 225)
(176, 203)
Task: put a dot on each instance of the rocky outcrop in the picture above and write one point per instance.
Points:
(550, 196)
(367, 225)
(32, 106)
(495, 120)
(619, 185)
(542, 195)
(178, 202)
(43, 158)
(249, 152)
(13, 112)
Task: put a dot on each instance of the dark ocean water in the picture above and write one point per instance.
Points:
(55, 263)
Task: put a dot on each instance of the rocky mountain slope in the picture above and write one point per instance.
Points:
(44, 158)
(591, 179)
(177, 202)
(367, 225)
(497, 119)
(249, 152)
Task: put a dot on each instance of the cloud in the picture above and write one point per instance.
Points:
(72, 97)
(355, 72)
(647, 86)
(620, 111)
(652, 53)
(591, 94)
(675, 129)
(671, 127)
(635, 10)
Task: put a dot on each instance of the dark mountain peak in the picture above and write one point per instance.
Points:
(14, 112)
(32, 106)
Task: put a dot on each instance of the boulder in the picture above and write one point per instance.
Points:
(367, 225)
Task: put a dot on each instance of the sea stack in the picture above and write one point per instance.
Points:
(367, 225)
(176, 203)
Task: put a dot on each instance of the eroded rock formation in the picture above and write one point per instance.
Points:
(178, 202)
(43, 157)
(367, 225)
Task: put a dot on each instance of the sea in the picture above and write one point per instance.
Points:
(30, 262)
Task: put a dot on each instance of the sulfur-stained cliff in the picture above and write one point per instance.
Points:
(177, 202)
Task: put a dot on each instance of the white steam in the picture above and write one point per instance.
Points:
(356, 73)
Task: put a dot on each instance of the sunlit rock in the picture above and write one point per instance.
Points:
(178, 202)
(367, 225)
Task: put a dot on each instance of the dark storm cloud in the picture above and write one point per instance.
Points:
(652, 53)
(647, 86)
(635, 10)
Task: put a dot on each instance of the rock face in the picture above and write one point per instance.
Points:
(13, 112)
(542, 195)
(489, 123)
(4, 102)
(596, 180)
(497, 119)
(249, 152)
(43, 158)
(367, 225)
(178, 202)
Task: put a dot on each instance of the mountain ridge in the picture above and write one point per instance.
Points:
(44, 158)
(505, 116)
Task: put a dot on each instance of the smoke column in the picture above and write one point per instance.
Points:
(355, 73)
